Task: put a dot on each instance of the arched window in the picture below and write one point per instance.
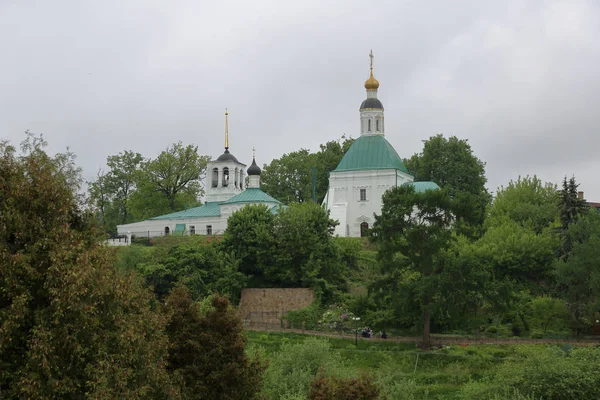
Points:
(225, 177)
(241, 180)
(167, 230)
(377, 125)
(235, 178)
(364, 227)
(369, 125)
(215, 177)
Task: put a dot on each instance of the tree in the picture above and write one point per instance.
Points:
(289, 178)
(206, 353)
(72, 325)
(175, 177)
(201, 266)
(250, 238)
(578, 275)
(306, 253)
(453, 166)
(412, 234)
(111, 191)
(571, 208)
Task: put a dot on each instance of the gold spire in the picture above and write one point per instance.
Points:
(371, 83)
(226, 130)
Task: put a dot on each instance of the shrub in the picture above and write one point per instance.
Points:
(330, 388)
(304, 318)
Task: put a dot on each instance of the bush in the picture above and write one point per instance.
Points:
(546, 372)
(304, 318)
(330, 388)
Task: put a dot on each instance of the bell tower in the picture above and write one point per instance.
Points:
(371, 109)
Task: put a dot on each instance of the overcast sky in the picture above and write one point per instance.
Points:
(518, 79)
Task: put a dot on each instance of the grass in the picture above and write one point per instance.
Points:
(437, 374)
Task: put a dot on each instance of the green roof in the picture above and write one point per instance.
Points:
(421, 187)
(371, 152)
(210, 209)
(252, 195)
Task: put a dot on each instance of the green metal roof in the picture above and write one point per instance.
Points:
(421, 187)
(252, 195)
(371, 152)
(210, 209)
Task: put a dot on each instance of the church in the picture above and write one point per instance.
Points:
(369, 168)
(225, 194)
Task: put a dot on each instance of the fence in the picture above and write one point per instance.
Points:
(145, 237)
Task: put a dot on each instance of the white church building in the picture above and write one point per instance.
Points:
(225, 194)
(369, 168)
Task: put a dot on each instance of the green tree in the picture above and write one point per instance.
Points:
(250, 238)
(72, 326)
(571, 208)
(201, 266)
(170, 181)
(111, 191)
(206, 353)
(289, 178)
(413, 233)
(578, 275)
(306, 252)
(453, 166)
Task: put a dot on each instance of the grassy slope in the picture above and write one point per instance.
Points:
(439, 373)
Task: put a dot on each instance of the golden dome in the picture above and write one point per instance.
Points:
(371, 83)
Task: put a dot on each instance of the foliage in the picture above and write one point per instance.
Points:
(110, 193)
(549, 313)
(249, 238)
(546, 373)
(571, 208)
(170, 181)
(305, 318)
(197, 264)
(339, 318)
(306, 254)
(289, 178)
(451, 164)
(294, 366)
(206, 352)
(528, 202)
(331, 388)
(413, 232)
(294, 248)
(72, 326)
(578, 275)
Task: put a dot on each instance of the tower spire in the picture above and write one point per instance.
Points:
(371, 83)
(226, 130)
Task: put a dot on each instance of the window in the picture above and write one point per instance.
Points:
(192, 230)
(377, 126)
(215, 177)
(364, 228)
(369, 126)
(363, 194)
(241, 180)
(225, 177)
(167, 230)
(209, 229)
(235, 178)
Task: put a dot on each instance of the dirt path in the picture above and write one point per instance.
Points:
(438, 340)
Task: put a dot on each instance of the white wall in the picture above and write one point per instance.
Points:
(344, 193)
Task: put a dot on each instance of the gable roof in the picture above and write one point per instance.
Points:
(252, 195)
(371, 152)
(209, 209)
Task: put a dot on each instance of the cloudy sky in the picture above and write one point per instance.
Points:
(518, 79)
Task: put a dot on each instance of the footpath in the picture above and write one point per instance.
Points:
(436, 340)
